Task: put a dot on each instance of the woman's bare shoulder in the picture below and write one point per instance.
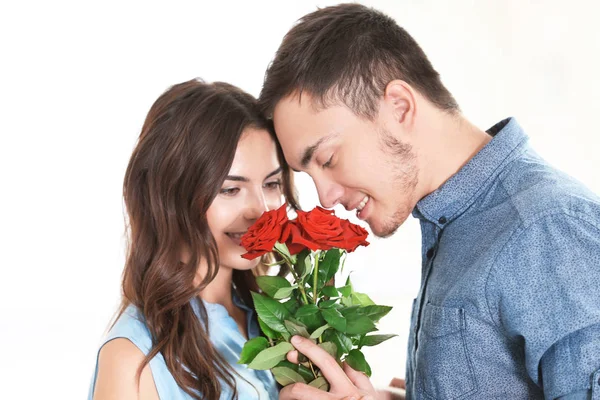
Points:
(118, 363)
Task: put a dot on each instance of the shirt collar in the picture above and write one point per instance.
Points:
(460, 191)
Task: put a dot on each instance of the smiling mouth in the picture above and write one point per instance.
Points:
(236, 237)
(361, 206)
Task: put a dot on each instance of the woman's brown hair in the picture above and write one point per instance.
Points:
(184, 152)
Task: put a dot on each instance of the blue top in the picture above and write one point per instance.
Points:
(227, 340)
(509, 303)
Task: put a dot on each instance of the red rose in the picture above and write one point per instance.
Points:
(317, 227)
(292, 237)
(320, 229)
(353, 236)
(266, 231)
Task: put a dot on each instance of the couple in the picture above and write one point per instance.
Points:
(509, 304)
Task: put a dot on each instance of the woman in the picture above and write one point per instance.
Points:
(205, 168)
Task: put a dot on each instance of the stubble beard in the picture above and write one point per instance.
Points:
(402, 161)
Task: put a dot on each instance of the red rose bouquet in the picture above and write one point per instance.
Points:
(340, 320)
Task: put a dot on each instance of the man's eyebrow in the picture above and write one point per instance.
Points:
(310, 151)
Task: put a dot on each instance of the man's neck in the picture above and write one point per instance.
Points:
(446, 142)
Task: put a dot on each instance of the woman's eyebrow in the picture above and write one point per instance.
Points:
(278, 170)
(238, 178)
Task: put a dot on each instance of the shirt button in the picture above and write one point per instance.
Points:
(442, 220)
(430, 253)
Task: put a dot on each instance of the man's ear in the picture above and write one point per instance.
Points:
(400, 96)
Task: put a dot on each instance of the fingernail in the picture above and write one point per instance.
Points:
(296, 340)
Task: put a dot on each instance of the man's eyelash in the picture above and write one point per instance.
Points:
(328, 163)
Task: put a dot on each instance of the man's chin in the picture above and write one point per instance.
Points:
(385, 230)
(385, 233)
(381, 231)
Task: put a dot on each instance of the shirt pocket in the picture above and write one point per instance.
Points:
(444, 368)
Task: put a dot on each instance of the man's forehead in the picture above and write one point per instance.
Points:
(295, 104)
(295, 122)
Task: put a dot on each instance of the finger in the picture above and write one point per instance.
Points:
(399, 383)
(359, 379)
(292, 356)
(384, 395)
(301, 391)
(328, 365)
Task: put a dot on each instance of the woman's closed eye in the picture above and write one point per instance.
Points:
(231, 191)
(274, 185)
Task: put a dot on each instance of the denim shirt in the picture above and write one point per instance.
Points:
(509, 302)
(226, 339)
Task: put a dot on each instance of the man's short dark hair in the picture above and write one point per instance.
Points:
(348, 54)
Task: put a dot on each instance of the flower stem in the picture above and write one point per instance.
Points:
(316, 275)
(303, 294)
(312, 369)
(300, 284)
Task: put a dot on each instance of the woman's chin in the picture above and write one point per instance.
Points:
(240, 264)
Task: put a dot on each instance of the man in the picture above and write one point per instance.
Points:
(509, 304)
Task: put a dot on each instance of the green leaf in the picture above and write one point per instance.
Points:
(283, 293)
(328, 267)
(355, 339)
(282, 249)
(329, 347)
(270, 333)
(327, 303)
(270, 357)
(374, 340)
(334, 318)
(347, 301)
(306, 310)
(296, 329)
(356, 359)
(310, 316)
(286, 376)
(251, 348)
(299, 368)
(303, 266)
(345, 257)
(291, 305)
(348, 283)
(357, 324)
(342, 342)
(345, 291)
(375, 313)
(320, 383)
(271, 284)
(272, 312)
(319, 331)
(351, 310)
(361, 299)
(330, 291)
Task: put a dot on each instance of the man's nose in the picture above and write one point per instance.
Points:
(330, 192)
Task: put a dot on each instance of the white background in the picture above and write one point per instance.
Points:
(77, 79)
